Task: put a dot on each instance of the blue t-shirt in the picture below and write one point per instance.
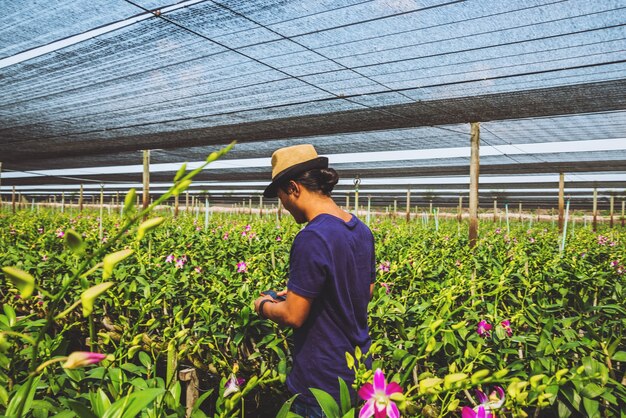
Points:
(333, 262)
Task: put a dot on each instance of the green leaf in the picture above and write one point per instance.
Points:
(79, 409)
(89, 296)
(592, 390)
(100, 402)
(180, 172)
(131, 405)
(10, 313)
(344, 396)
(619, 356)
(129, 202)
(147, 226)
(181, 187)
(23, 398)
(111, 260)
(200, 400)
(284, 410)
(74, 241)
(328, 404)
(24, 282)
(592, 407)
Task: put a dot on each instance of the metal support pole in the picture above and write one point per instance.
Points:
(369, 207)
(612, 203)
(13, 200)
(495, 210)
(101, 211)
(474, 175)
(408, 205)
(146, 179)
(561, 200)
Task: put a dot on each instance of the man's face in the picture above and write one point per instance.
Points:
(290, 201)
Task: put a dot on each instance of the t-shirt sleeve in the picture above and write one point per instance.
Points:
(308, 264)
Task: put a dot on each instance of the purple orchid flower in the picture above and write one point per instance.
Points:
(487, 404)
(483, 329)
(377, 398)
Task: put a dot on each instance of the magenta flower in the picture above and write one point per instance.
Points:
(377, 398)
(198, 228)
(82, 358)
(233, 385)
(620, 270)
(487, 404)
(170, 258)
(483, 329)
(387, 287)
(602, 240)
(244, 233)
(248, 227)
(44, 258)
(40, 230)
(506, 324)
(498, 230)
(180, 263)
(384, 266)
(60, 233)
(614, 263)
(242, 267)
(531, 239)
(278, 238)
(225, 237)
(198, 270)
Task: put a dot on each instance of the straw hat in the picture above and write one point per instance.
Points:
(288, 162)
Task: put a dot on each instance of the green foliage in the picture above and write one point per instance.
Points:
(565, 356)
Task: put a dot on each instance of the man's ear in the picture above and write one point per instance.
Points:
(293, 188)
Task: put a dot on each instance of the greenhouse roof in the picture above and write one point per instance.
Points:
(386, 89)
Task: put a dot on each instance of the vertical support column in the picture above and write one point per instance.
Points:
(369, 207)
(261, 206)
(348, 201)
(594, 223)
(279, 210)
(80, 199)
(176, 206)
(192, 392)
(612, 203)
(146, 179)
(495, 210)
(206, 212)
(0, 185)
(459, 216)
(13, 200)
(474, 174)
(408, 204)
(357, 182)
(520, 211)
(623, 207)
(187, 201)
(395, 207)
(101, 211)
(561, 201)
(62, 202)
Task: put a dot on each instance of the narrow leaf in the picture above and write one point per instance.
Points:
(147, 226)
(88, 297)
(110, 260)
(74, 241)
(24, 282)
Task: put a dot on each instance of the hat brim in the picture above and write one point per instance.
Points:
(291, 172)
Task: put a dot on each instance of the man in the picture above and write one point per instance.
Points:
(331, 276)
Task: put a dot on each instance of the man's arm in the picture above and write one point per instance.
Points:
(290, 313)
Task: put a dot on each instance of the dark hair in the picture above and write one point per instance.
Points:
(321, 180)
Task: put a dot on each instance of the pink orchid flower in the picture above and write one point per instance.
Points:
(82, 358)
(506, 324)
(377, 398)
(487, 404)
(170, 258)
(483, 329)
(180, 263)
(233, 385)
(242, 267)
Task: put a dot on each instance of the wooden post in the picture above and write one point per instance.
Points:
(520, 211)
(395, 207)
(13, 200)
(80, 199)
(279, 211)
(190, 376)
(594, 223)
(495, 210)
(62, 202)
(369, 207)
(460, 214)
(623, 207)
(474, 174)
(612, 203)
(561, 201)
(187, 201)
(146, 180)
(348, 201)
(176, 206)
(408, 204)
(261, 206)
